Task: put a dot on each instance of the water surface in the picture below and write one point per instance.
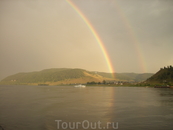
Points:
(133, 108)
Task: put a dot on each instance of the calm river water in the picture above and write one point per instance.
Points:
(67, 107)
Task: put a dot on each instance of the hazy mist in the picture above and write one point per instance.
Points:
(41, 34)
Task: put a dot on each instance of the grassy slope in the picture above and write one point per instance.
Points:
(68, 76)
(54, 76)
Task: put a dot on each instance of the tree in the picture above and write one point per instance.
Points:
(104, 82)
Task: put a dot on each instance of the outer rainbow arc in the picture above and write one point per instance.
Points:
(132, 36)
(103, 49)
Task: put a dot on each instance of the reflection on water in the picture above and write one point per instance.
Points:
(143, 108)
(37, 107)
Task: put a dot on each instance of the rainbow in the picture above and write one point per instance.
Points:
(98, 39)
(132, 36)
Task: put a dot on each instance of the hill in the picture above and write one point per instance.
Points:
(54, 77)
(163, 77)
(58, 76)
(133, 76)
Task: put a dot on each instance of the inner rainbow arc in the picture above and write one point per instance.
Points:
(98, 39)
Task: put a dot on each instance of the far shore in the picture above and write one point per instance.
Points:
(93, 85)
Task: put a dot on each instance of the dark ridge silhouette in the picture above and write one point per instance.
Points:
(163, 77)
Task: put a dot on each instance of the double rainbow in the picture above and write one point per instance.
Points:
(99, 41)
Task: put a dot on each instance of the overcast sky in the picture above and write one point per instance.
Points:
(42, 34)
